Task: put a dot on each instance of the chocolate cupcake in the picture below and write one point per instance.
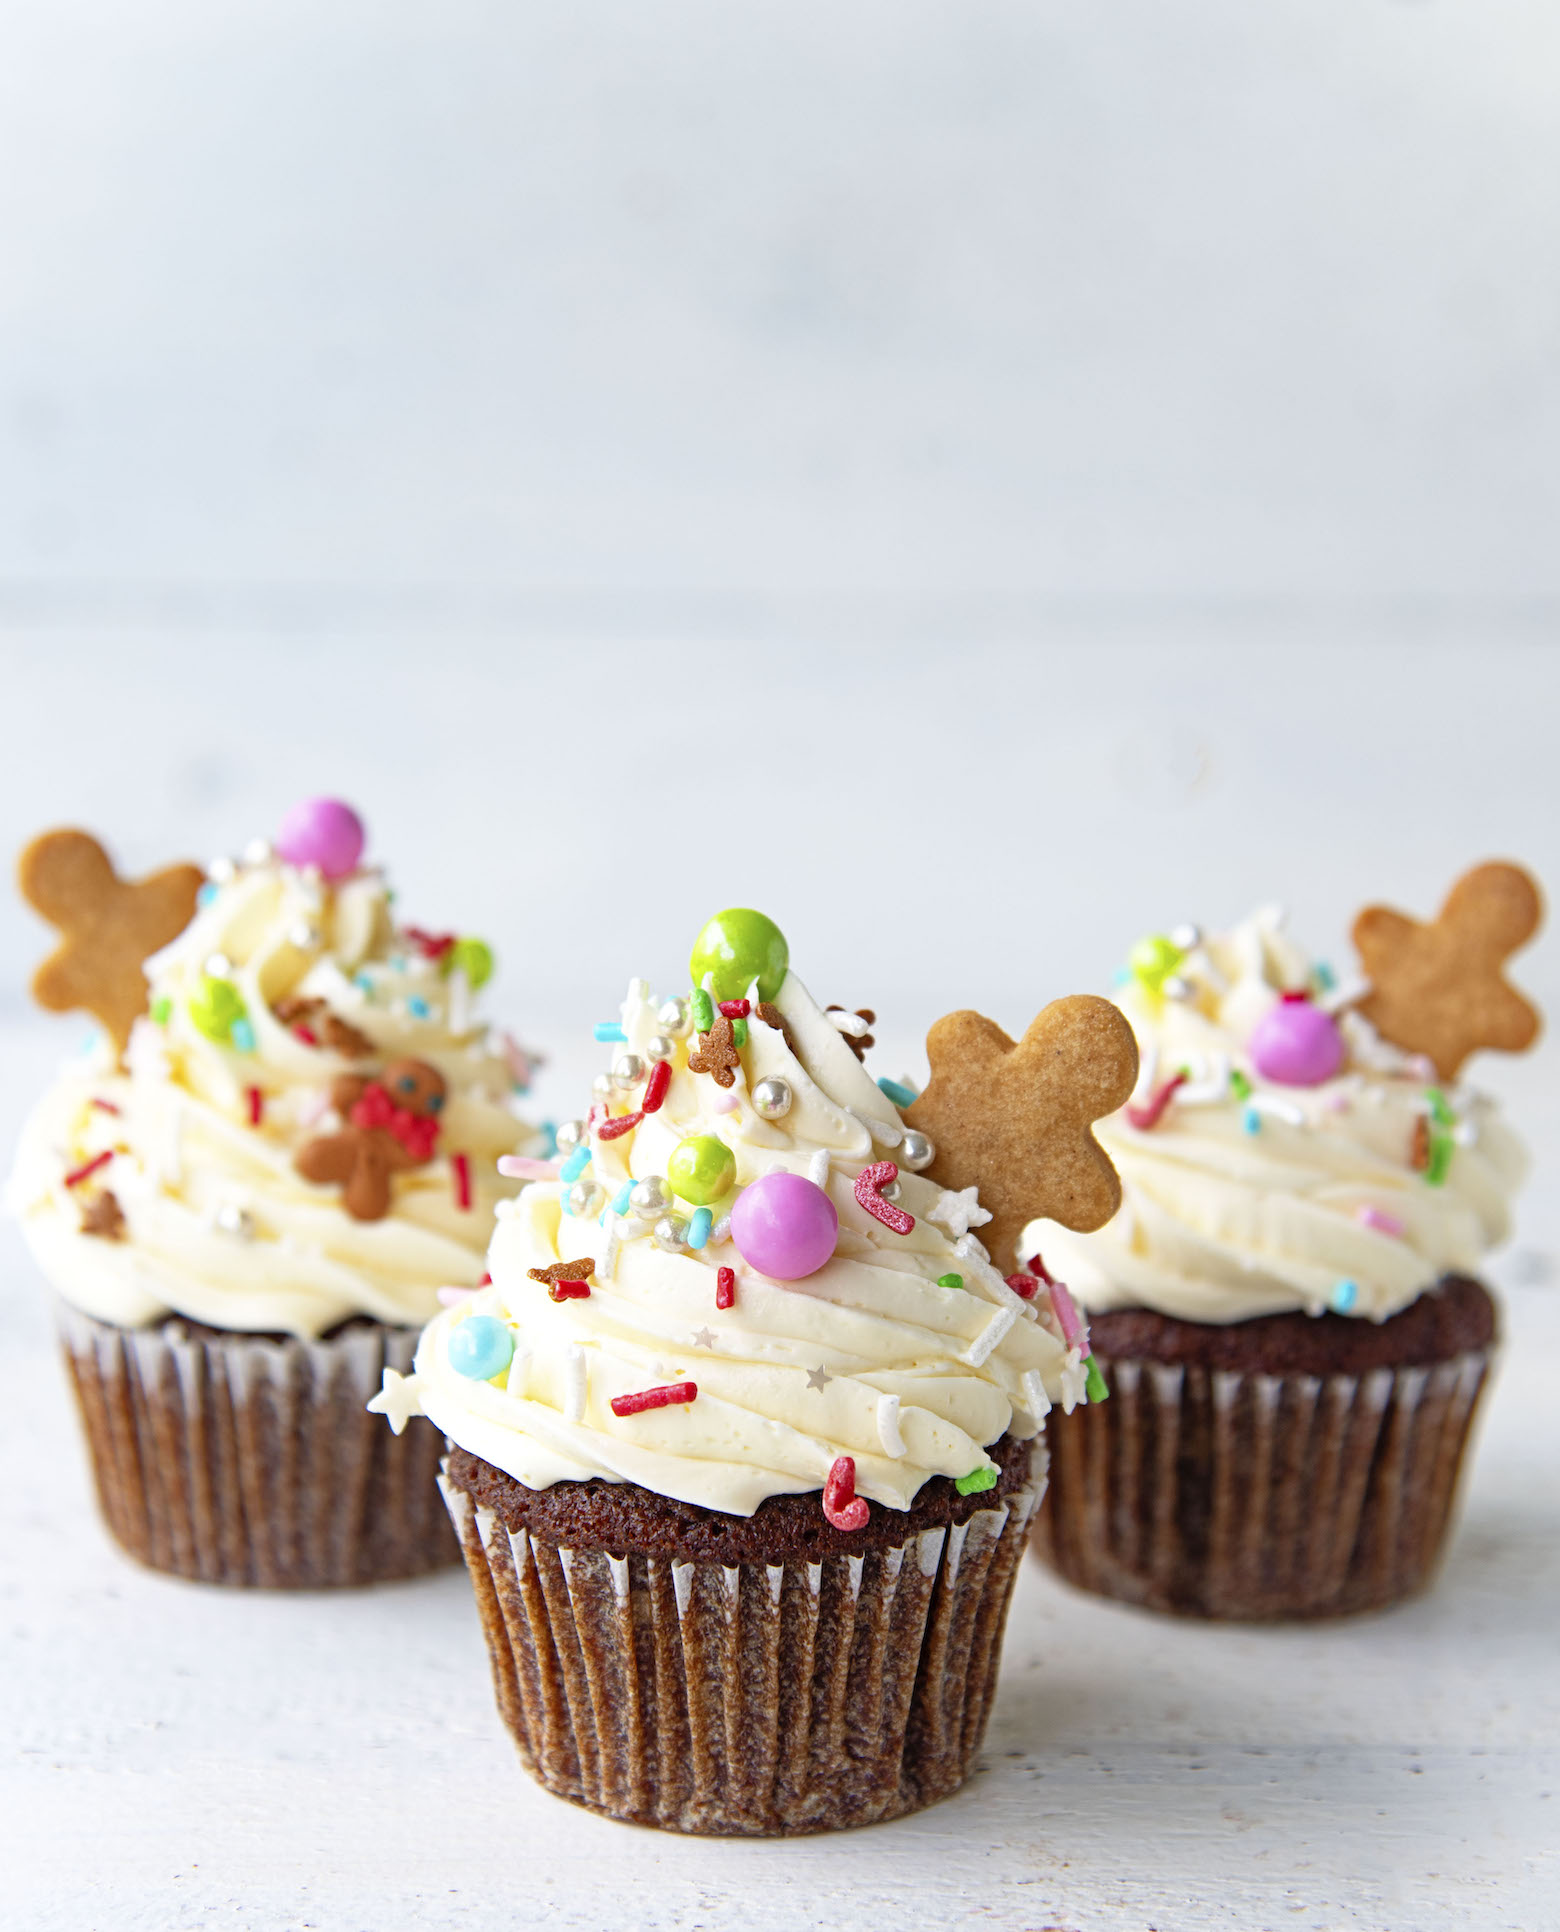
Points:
(1286, 1309)
(743, 1433)
(248, 1194)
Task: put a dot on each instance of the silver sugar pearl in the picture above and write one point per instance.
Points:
(307, 938)
(217, 966)
(915, 1151)
(673, 1017)
(890, 1191)
(1186, 936)
(583, 1197)
(221, 871)
(627, 1071)
(1177, 988)
(772, 1098)
(569, 1135)
(257, 852)
(659, 1047)
(602, 1086)
(236, 1221)
(671, 1231)
(650, 1197)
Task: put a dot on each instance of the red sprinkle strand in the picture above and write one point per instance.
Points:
(485, 1282)
(307, 1034)
(432, 945)
(725, 1287)
(460, 1166)
(736, 1009)
(107, 1106)
(1296, 999)
(841, 1505)
(624, 1124)
(868, 1181)
(1024, 1285)
(78, 1174)
(664, 1397)
(656, 1086)
(568, 1291)
(1037, 1267)
(256, 1106)
(1148, 1116)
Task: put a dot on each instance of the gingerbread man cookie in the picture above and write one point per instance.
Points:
(389, 1124)
(108, 926)
(1015, 1120)
(1438, 989)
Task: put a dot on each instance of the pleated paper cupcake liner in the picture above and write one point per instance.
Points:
(747, 1699)
(1230, 1494)
(232, 1459)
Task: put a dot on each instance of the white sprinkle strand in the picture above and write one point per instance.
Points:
(519, 1368)
(888, 1425)
(990, 1336)
(1036, 1401)
(818, 1168)
(458, 1009)
(606, 1267)
(1075, 1379)
(851, 1023)
(574, 1383)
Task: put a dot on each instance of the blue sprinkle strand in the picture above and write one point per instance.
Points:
(242, 1034)
(609, 1030)
(363, 983)
(1344, 1295)
(575, 1165)
(900, 1095)
(699, 1225)
(205, 894)
(418, 1006)
(549, 1128)
(1251, 1120)
(620, 1199)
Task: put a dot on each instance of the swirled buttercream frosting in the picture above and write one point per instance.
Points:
(1278, 1155)
(279, 1020)
(736, 1279)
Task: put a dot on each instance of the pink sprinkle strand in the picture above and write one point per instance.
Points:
(104, 1106)
(615, 1129)
(78, 1174)
(1067, 1314)
(1378, 1218)
(736, 1009)
(1148, 1116)
(1024, 1285)
(842, 1507)
(521, 1167)
(656, 1086)
(665, 1397)
(725, 1287)
(868, 1181)
(307, 1034)
(453, 1297)
(256, 1106)
(460, 1167)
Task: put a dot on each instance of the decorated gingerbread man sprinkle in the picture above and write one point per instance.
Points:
(716, 1054)
(1015, 1120)
(108, 926)
(1438, 989)
(389, 1124)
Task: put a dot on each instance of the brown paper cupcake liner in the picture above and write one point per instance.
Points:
(231, 1458)
(747, 1699)
(1232, 1494)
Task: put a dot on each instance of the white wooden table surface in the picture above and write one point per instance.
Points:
(179, 1757)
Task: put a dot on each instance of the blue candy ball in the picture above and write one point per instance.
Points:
(481, 1347)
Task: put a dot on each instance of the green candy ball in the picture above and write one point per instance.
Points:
(701, 1170)
(737, 947)
(1153, 960)
(215, 1007)
(474, 957)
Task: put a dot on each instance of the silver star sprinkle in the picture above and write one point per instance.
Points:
(818, 1377)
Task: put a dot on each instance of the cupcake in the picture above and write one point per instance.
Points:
(249, 1192)
(1287, 1308)
(743, 1432)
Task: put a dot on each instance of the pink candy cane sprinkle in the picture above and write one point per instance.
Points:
(1148, 1116)
(879, 1175)
(105, 1106)
(664, 1397)
(521, 1167)
(1378, 1218)
(842, 1507)
(1067, 1314)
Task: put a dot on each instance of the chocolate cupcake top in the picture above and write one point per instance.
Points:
(306, 1117)
(1279, 1153)
(739, 1284)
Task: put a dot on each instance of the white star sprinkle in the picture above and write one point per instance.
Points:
(959, 1212)
(398, 1401)
(818, 1377)
(703, 1338)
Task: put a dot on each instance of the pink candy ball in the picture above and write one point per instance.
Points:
(322, 832)
(784, 1226)
(1296, 1044)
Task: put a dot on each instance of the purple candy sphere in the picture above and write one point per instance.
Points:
(1296, 1044)
(322, 832)
(784, 1226)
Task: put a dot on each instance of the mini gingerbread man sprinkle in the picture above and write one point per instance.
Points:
(388, 1125)
(1015, 1120)
(716, 1054)
(108, 926)
(1438, 989)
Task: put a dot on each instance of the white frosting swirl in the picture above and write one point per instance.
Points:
(217, 1224)
(1250, 1198)
(869, 1357)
